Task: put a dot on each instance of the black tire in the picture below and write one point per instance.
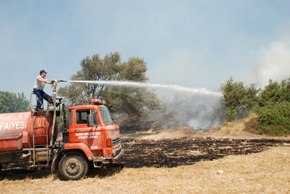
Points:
(73, 167)
(2, 174)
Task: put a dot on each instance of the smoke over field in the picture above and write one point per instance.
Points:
(273, 63)
(193, 111)
(197, 108)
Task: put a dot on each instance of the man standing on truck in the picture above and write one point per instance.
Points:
(38, 90)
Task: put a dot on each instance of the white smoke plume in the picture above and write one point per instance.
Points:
(197, 108)
(273, 63)
(184, 109)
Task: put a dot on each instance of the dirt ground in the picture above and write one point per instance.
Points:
(180, 163)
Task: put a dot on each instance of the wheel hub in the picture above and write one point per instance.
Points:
(73, 166)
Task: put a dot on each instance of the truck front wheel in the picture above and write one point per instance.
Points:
(73, 167)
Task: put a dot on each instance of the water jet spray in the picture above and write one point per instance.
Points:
(196, 91)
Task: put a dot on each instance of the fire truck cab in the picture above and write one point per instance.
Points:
(90, 137)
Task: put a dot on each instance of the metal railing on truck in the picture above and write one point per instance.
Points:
(40, 148)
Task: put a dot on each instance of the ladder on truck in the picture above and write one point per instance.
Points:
(46, 148)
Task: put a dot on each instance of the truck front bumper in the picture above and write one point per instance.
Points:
(118, 156)
(99, 161)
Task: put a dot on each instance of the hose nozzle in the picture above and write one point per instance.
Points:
(61, 80)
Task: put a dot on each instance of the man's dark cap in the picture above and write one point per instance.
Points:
(42, 71)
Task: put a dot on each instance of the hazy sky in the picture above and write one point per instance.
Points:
(194, 43)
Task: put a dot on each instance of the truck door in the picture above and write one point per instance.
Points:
(85, 131)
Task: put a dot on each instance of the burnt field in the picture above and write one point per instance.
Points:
(167, 153)
(186, 151)
(176, 165)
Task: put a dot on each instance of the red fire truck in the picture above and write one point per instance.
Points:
(87, 137)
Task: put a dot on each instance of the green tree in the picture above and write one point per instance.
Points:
(11, 102)
(238, 99)
(274, 108)
(118, 99)
(275, 92)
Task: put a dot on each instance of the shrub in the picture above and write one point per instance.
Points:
(274, 119)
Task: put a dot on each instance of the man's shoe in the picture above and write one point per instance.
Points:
(38, 109)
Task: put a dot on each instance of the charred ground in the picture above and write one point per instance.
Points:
(186, 151)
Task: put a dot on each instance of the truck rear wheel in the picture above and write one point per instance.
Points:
(2, 175)
(73, 167)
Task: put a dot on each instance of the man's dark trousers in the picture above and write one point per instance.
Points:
(40, 96)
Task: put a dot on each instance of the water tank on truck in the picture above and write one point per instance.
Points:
(16, 130)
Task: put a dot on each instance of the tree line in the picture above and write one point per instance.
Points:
(271, 104)
(13, 102)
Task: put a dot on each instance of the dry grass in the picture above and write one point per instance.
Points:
(236, 127)
(266, 172)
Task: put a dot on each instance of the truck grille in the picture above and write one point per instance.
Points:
(116, 141)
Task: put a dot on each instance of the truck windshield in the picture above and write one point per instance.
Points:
(105, 115)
